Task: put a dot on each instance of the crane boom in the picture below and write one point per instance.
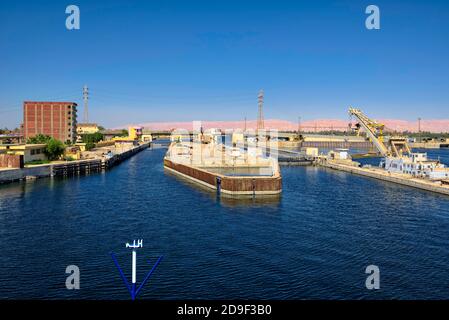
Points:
(373, 130)
(397, 145)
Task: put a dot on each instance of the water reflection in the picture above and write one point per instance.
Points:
(243, 201)
(225, 199)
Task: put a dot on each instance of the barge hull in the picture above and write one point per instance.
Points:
(228, 185)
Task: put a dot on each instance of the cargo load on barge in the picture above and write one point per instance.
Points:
(228, 170)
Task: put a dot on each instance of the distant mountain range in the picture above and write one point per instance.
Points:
(309, 125)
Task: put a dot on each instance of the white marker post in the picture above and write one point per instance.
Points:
(134, 268)
(132, 288)
(134, 246)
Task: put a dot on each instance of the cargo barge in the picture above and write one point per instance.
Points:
(228, 171)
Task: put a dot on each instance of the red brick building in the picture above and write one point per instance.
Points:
(55, 119)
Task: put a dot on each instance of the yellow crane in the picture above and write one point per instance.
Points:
(397, 146)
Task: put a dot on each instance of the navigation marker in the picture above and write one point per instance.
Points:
(132, 288)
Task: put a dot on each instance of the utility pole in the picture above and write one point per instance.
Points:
(419, 129)
(85, 98)
(260, 120)
(244, 130)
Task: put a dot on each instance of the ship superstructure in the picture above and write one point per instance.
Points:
(396, 153)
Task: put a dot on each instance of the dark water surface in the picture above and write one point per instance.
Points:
(314, 241)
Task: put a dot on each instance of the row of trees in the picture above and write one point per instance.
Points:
(54, 148)
(8, 131)
(91, 139)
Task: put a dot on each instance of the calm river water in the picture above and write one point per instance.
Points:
(312, 242)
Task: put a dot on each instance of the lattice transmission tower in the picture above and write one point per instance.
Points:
(260, 120)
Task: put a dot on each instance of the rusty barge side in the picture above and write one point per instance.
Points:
(241, 185)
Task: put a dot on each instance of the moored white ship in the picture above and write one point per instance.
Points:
(416, 164)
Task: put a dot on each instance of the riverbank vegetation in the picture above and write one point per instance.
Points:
(91, 139)
(54, 148)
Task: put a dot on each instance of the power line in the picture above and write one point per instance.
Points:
(85, 98)
(260, 120)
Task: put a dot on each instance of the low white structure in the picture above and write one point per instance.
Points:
(417, 165)
(339, 154)
(310, 151)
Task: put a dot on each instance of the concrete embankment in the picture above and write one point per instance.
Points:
(67, 168)
(429, 145)
(381, 174)
(119, 157)
(11, 175)
(327, 144)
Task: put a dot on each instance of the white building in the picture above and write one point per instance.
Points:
(417, 165)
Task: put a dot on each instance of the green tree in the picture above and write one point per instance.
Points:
(92, 137)
(39, 138)
(90, 145)
(54, 149)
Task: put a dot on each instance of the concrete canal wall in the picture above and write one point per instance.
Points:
(326, 144)
(429, 145)
(50, 170)
(11, 175)
(338, 144)
(68, 168)
(119, 157)
(383, 175)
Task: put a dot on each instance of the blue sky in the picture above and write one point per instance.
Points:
(206, 60)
